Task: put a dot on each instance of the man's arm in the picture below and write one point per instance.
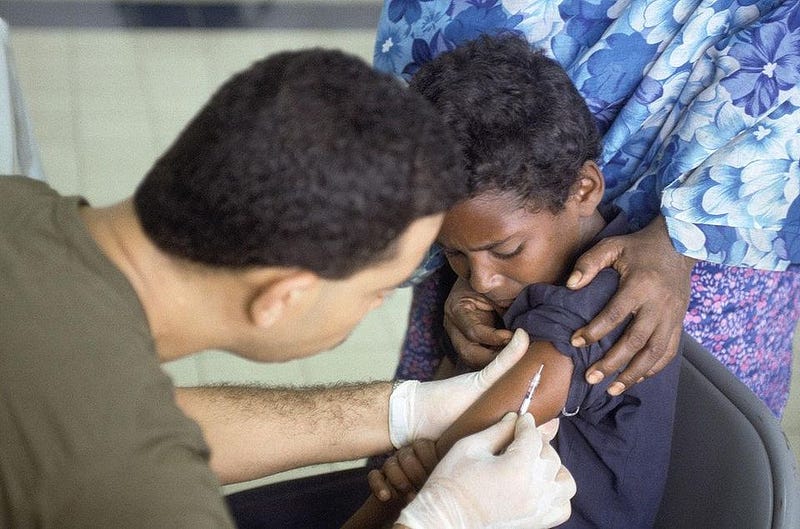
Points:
(254, 432)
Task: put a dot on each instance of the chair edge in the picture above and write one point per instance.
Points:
(785, 478)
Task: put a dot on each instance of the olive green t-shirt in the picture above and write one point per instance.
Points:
(90, 435)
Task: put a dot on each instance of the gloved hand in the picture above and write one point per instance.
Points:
(424, 410)
(524, 487)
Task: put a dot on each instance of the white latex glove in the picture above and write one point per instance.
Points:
(525, 487)
(424, 410)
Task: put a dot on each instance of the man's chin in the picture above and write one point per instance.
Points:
(338, 343)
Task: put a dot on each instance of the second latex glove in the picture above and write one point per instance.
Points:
(525, 487)
(424, 410)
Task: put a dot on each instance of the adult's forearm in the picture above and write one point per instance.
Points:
(254, 431)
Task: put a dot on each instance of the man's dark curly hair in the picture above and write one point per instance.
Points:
(307, 159)
(522, 125)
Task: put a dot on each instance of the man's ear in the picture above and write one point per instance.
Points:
(589, 189)
(278, 294)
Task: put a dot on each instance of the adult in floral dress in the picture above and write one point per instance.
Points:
(699, 107)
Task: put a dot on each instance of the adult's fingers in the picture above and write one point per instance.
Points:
(560, 509)
(527, 439)
(647, 363)
(637, 339)
(626, 301)
(674, 345)
(492, 440)
(566, 484)
(602, 255)
(648, 344)
(549, 429)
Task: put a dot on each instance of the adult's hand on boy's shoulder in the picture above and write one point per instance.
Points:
(655, 285)
(471, 324)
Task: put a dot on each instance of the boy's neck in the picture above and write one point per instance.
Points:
(590, 229)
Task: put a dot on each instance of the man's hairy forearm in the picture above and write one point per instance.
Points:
(254, 431)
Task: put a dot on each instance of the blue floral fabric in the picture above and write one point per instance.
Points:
(699, 108)
(698, 103)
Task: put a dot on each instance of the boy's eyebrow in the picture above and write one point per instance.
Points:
(490, 245)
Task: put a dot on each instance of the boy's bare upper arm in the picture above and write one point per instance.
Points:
(507, 394)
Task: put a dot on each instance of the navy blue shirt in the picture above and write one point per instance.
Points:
(617, 448)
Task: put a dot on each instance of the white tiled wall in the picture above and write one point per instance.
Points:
(105, 103)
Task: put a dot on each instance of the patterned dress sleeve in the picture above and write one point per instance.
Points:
(698, 103)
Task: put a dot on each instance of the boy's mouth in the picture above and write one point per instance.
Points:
(502, 304)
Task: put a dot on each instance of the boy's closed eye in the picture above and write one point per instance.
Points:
(508, 255)
(451, 253)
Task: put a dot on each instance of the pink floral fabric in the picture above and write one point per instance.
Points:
(746, 318)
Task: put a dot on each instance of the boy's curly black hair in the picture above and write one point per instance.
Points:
(307, 159)
(522, 125)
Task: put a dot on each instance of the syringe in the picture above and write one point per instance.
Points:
(526, 402)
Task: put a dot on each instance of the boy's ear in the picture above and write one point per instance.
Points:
(589, 189)
(278, 294)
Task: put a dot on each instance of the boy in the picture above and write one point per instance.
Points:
(528, 144)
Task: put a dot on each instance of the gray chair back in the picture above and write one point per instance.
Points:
(731, 466)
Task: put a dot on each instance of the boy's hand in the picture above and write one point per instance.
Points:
(470, 322)
(404, 473)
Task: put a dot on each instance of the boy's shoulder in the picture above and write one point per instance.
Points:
(584, 303)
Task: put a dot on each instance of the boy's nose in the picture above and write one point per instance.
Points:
(482, 281)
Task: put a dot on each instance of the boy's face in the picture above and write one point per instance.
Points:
(500, 247)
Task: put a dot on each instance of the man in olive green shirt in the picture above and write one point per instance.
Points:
(306, 190)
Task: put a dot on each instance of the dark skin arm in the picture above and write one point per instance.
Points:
(504, 396)
(507, 393)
